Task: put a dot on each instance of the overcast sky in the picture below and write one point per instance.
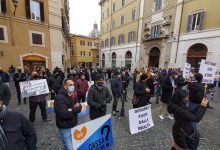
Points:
(83, 14)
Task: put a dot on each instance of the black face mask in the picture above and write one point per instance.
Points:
(100, 84)
(19, 71)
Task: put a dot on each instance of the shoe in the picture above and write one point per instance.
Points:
(161, 117)
(114, 113)
(170, 117)
(117, 110)
(19, 103)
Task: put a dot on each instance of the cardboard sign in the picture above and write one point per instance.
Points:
(186, 70)
(208, 70)
(50, 105)
(85, 110)
(93, 135)
(140, 119)
(33, 88)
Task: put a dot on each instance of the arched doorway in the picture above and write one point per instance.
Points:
(33, 62)
(103, 60)
(196, 53)
(128, 59)
(114, 56)
(154, 57)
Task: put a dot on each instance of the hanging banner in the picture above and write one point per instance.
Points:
(93, 135)
(85, 110)
(140, 119)
(208, 70)
(50, 105)
(33, 88)
(186, 70)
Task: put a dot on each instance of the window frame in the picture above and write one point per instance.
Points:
(5, 34)
(113, 7)
(122, 16)
(121, 35)
(131, 39)
(156, 7)
(133, 19)
(155, 31)
(122, 3)
(31, 39)
(199, 21)
(35, 10)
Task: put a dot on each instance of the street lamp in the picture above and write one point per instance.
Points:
(15, 4)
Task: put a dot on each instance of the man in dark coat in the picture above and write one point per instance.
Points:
(55, 84)
(168, 89)
(98, 97)
(17, 133)
(5, 94)
(19, 77)
(117, 88)
(66, 107)
(5, 77)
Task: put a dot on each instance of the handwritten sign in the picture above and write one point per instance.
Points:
(208, 70)
(186, 70)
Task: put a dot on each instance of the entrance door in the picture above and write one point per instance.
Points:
(196, 53)
(128, 59)
(33, 62)
(154, 57)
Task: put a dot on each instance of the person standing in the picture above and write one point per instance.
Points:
(5, 94)
(66, 107)
(5, 77)
(55, 84)
(117, 89)
(34, 101)
(19, 77)
(16, 132)
(98, 97)
(82, 87)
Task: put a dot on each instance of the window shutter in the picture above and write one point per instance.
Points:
(42, 11)
(189, 23)
(202, 20)
(134, 34)
(129, 37)
(2, 34)
(158, 31)
(152, 33)
(3, 6)
(28, 9)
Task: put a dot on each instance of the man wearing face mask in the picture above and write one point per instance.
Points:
(98, 97)
(82, 88)
(19, 77)
(117, 88)
(66, 106)
(55, 84)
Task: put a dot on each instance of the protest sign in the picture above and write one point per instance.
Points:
(33, 88)
(93, 135)
(186, 70)
(208, 70)
(140, 119)
(50, 105)
(85, 110)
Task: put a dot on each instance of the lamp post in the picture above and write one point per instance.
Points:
(15, 4)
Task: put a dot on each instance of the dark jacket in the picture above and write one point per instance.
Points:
(150, 84)
(97, 100)
(183, 120)
(64, 118)
(81, 86)
(19, 132)
(125, 81)
(55, 83)
(19, 77)
(180, 81)
(5, 77)
(116, 86)
(167, 90)
(5, 93)
(196, 92)
(141, 94)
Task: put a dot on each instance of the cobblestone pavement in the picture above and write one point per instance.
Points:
(158, 137)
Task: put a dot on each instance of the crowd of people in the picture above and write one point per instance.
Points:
(182, 99)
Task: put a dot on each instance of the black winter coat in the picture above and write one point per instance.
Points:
(55, 83)
(117, 87)
(167, 90)
(196, 92)
(19, 132)
(17, 79)
(64, 118)
(97, 100)
(183, 120)
(150, 84)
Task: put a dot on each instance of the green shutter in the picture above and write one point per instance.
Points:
(201, 24)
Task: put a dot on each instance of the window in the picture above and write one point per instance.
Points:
(195, 21)
(82, 53)
(122, 3)
(37, 39)
(2, 37)
(82, 43)
(158, 5)
(131, 36)
(89, 44)
(122, 19)
(3, 6)
(35, 10)
(113, 7)
(112, 42)
(3, 34)
(155, 32)
(107, 43)
(121, 39)
(133, 14)
(113, 24)
(89, 53)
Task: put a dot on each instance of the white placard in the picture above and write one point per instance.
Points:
(208, 70)
(186, 70)
(140, 119)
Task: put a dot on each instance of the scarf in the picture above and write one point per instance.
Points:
(3, 138)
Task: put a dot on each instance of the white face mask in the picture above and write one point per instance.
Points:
(71, 89)
(83, 77)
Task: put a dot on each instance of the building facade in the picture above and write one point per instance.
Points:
(84, 51)
(158, 28)
(27, 35)
(121, 26)
(199, 33)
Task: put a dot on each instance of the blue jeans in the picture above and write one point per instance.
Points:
(193, 106)
(66, 138)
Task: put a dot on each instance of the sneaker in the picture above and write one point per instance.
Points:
(170, 117)
(161, 117)
(114, 113)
